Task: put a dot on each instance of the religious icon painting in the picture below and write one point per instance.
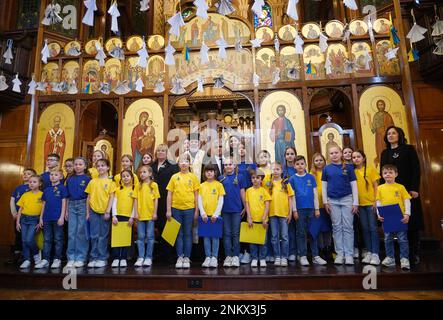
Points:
(314, 61)
(91, 76)
(387, 67)
(334, 29)
(90, 47)
(156, 42)
(112, 72)
(362, 55)
(311, 30)
(265, 64)
(54, 49)
(113, 43)
(358, 28)
(264, 33)
(51, 76)
(287, 33)
(134, 43)
(155, 71)
(337, 55)
(132, 72)
(73, 49)
(382, 26)
(289, 64)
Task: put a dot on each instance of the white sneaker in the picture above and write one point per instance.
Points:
(388, 262)
(70, 264)
(37, 258)
(304, 261)
(277, 262)
(268, 258)
(79, 264)
(206, 263)
(367, 258)
(364, 252)
(235, 262)
(349, 261)
(262, 263)
(56, 264)
(319, 260)
(228, 261)
(186, 263)
(375, 260)
(339, 260)
(246, 258)
(91, 264)
(404, 263)
(356, 253)
(147, 262)
(139, 262)
(123, 263)
(100, 264)
(26, 264)
(284, 262)
(115, 263)
(213, 263)
(271, 259)
(42, 264)
(254, 263)
(292, 257)
(179, 263)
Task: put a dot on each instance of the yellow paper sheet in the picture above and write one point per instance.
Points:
(121, 235)
(256, 234)
(39, 239)
(170, 231)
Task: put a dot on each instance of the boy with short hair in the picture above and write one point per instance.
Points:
(52, 162)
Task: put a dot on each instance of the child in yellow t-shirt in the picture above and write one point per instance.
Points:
(124, 209)
(210, 204)
(99, 204)
(148, 195)
(127, 164)
(27, 220)
(257, 209)
(280, 214)
(264, 164)
(367, 183)
(182, 205)
(388, 194)
(97, 155)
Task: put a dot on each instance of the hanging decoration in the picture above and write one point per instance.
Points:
(8, 54)
(219, 82)
(413, 54)
(255, 80)
(276, 76)
(368, 59)
(291, 10)
(225, 7)
(391, 53)
(200, 84)
(346, 32)
(439, 49)
(350, 4)
(185, 52)
(91, 7)
(204, 58)
(169, 57)
(113, 11)
(202, 9)
(101, 55)
(73, 88)
(323, 42)
(238, 46)
(122, 87)
(117, 52)
(143, 55)
(177, 85)
(105, 88)
(31, 86)
(52, 14)
(159, 86)
(437, 27)
(416, 33)
(298, 41)
(139, 85)
(144, 5)
(88, 89)
(256, 43)
(45, 52)
(176, 22)
(3, 84)
(41, 86)
(328, 66)
(222, 45)
(16, 84)
(371, 30)
(393, 38)
(276, 43)
(310, 68)
(257, 7)
(293, 73)
(349, 66)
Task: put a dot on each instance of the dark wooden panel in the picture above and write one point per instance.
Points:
(429, 101)
(14, 122)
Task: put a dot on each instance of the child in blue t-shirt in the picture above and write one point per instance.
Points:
(340, 198)
(306, 209)
(78, 236)
(232, 211)
(52, 163)
(52, 219)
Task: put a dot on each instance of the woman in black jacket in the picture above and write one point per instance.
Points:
(405, 158)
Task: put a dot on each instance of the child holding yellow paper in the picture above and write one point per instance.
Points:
(257, 208)
(124, 209)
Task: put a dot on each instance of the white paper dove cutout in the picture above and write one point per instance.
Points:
(91, 6)
(143, 56)
(328, 66)
(177, 85)
(176, 22)
(371, 30)
(3, 84)
(202, 9)
(139, 85)
(276, 76)
(439, 49)
(222, 45)
(350, 4)
(293, 73)
(256, 43)
(323, 42)
(200, 84)
(8, 54)
(219, 82)
(73, 88)
(52, 14)
(391, 53)
(41, 86)
(238, 46)
(122, 87)
(159, 86)
(113, 11)
(204, 58)
(45, 52)
(255, 80)
(349, 66)
(368, 59)
(105, 88)
(101, 55)
(169, 57)
(225, 7)
(57, 86)
(31, 86)
(291, 10)
(416, 33)
(276, 43)
(298, 41)
(144, 5)
(437, 28)
(257, 7)
(346, 33)
(17, 83)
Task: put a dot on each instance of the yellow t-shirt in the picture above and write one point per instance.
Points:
(267, 178)
(93, 172)
(125, 200)
(366, 187)
(146, 197)
(394, 193)
(210, 192)
(99, 190)
(317, 176)
(183, 186)
(117, 179)
(280, 199)
(31, 203)
(256, 198)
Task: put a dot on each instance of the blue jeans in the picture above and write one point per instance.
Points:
(28, 224)
(53, 234)
(269, 247)
(78, 238)
(145, 232)
(279, 230)
(343, 225)
(231, 234)
(211, 246)
(99, 236)
(258, 251)
(402, 238)
(304, 215)
(368, 223)
(183, 244)
(121, 253)
(292, 234)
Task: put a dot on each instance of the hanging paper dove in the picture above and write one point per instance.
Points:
(64, 86)
(350, 4)
(371, 30)
(323, 42)
(17, 83)
(45, 52)
(204, 58)
(143, 56)
(31, 86)
(41, 86)
(200, 84)
(73, 88)
(292, 73)
(219, 82)
(346, 33)
(91, 6)
(105, 88)
(391, 53)
(224, 7)
(238, 46)
(276, 44)
(256, 43)
(52, 14)
(298, 41)
(159, 86)
(57, 87)
(257, 7)
(186, 53)
(8, 54)
(437, 28)
(255, 79)
(349, 66)
(113, 11)
(202, 9)
(368, 59)
(117, 52)
(176, 22)
(73, 51)
(416, 33)
(3, 84)
(139, 85)
(144, 5)
(291, 10)
(177, 85)
(169, 57)
(439, 49)
(101, 55)
(221, 43)
(276, 76)
(122, 87)
(328, 66)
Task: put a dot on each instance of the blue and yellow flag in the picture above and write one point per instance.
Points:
(413, 55)
(393, 35)
(186, 53)
(311, 68)
(88, 88)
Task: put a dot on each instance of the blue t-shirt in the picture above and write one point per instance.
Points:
(47, 181)
(303, 187)
(76, 186)
(18, 192)
(232, 202)
(288, 171)
(53, 197)
(243, 168)
(339, 180)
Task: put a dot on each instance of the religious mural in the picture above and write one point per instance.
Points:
(91, 75)
(154, 71)
(387, 67)
(106, 147)
(314, 62)
(337, 55)
(265, 64)
(330, 137)
(289, 61)
(364, 67)
(287, 33)
(51, 76)
(112, 72)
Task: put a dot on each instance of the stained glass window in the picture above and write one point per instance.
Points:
(28, 14)
(265, 20)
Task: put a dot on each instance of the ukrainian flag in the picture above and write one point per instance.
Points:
(393, 35)
(413, 55)
(311, 68)
(88, 88)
